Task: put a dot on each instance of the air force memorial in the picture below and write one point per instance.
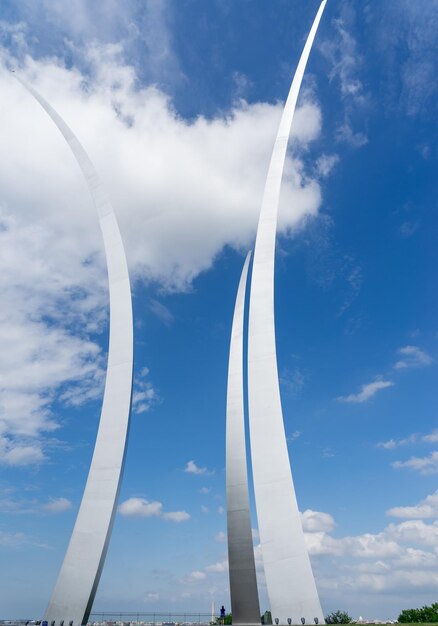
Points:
(291, 587)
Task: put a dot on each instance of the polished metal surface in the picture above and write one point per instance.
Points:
(243, 582)
(74, 592)
(289, 577)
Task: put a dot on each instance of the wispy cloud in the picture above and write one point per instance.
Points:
(412, 356)
(144, 395)
(423, 465)
(391, 444)
(295, 435)
(293, 380)
(57, 505)
(346, 61)
(367, 392)
(139, 507)
(410, 51)
(162, 312)
(325, 164)
(408, 228)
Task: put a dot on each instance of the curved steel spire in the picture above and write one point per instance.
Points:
(243, 582)
(289, 578)
(75, 589)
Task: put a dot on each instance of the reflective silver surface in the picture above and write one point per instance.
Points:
(289, 578)
(74, 592)
(243, 583)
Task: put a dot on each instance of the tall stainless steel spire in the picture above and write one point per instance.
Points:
(289, 578)
(75, 589)
(243, 583)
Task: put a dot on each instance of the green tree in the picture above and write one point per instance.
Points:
(338, 617)
(425, 614)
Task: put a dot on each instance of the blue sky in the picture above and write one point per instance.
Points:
(177, 103)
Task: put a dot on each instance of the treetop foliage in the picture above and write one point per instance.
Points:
(426, 614)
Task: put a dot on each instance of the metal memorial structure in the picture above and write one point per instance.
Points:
(75, 589)
(243, 582)
(290, 582)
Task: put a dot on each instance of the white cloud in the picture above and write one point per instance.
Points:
(314, 521)
(427, 508)
(220, 537)
(367, 391)
(192, 468)
(293, 380)
(221, 566)
(19, 454)
(196, 575)
(295, 435)
(423, 465)
(413, 356)
(205, 490)
(391, 444)
(144, 394)
(176, 516)
(204, 508)
(325, 164)
(431, 437)
(345, 60)
(139, 507)
(165, 173)
(18, 539)
(152, 595)
(57, 505)
(161, 312)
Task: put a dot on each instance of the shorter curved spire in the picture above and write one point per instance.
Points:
(243, 582)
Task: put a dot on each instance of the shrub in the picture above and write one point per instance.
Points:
(338, 617)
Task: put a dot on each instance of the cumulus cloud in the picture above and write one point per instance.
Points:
(139, 507)
(413, 356)
(402, 556)
(162, 172)
(367, 391)
(15, 454)
(314, 521)
(192, 468)
(426, 508)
